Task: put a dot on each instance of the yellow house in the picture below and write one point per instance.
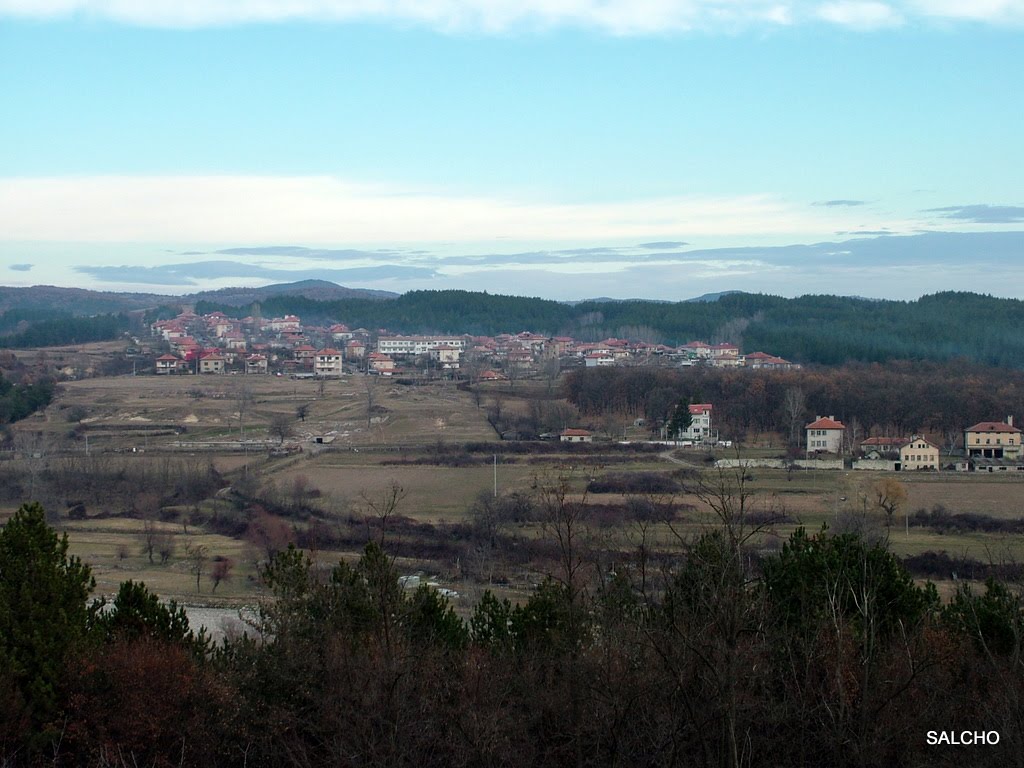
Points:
(993, 440)
(918, 453)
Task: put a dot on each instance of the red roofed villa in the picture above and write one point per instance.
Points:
(825, 435)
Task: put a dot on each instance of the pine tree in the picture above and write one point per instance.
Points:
(43, 609)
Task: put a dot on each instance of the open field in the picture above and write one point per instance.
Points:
(377, 434)
(139, 412)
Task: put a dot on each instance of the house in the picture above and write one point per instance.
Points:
(599, 359)
(340, 332)
(764, 360)
(286, 324)
(879, 447)
(327, 362)
(993, 440)
(825, 435)
(355, 349)
(918, 453)
(380, 364)
(695, 349)
(700, 424)
(576, 436)
(447, 356)
(304, 355)
(211, 362)
(725, 350)
(256, 364)
(166, 364)
(235, 341)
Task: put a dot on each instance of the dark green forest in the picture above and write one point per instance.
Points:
(20, 400)
(827, 330)
(27, 329)
(706, 653)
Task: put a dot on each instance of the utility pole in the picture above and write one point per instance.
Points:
(495, 475)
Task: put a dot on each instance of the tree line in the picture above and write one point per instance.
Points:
(899, 398)
(697, 654)
(38, 329)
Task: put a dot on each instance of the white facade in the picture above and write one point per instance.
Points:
(417, 345)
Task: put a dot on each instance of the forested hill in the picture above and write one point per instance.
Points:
(809, 329)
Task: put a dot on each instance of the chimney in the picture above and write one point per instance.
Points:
(1009, 420)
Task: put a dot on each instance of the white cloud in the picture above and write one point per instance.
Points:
(622, 17)
(314, 209)
(993, 11)
(858, 14)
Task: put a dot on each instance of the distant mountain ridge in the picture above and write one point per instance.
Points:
(82, 301)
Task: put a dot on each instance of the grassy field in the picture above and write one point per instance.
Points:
(378, 433)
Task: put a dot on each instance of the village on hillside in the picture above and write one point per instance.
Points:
(214, 344)
(217, 344)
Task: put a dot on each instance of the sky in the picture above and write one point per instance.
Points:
(567, 149)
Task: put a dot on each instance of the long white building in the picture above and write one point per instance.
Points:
(418, 345)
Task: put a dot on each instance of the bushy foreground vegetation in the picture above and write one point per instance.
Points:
(826, 653)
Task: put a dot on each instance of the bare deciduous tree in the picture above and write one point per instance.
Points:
(378, 508)
(197, 555)
(281, 427)
(794, 405)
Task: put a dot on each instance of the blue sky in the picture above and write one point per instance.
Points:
(537, 147)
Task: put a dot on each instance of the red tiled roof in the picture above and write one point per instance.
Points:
(576, 433)
(698, 408)
(992, 426)
(824, 423)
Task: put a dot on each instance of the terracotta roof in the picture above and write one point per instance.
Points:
(575, 433)
(824, 423)
(328, 351)
(992, 426)
(699, 408)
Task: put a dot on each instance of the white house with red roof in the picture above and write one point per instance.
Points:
(340, 332)
(700, 423)
(327, 362)
(825, 435)
(993, 440)
(166, 364)
(211, 362)
(256, 364)
(380, 363)
(573, 435)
